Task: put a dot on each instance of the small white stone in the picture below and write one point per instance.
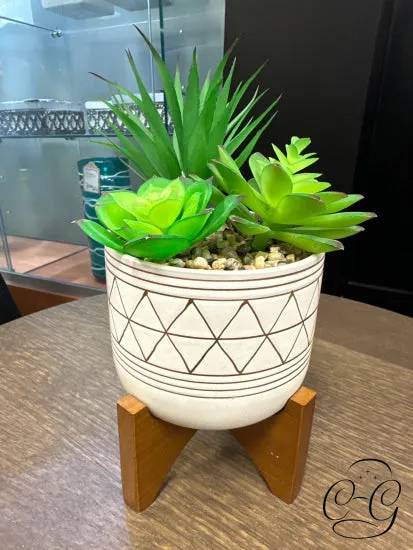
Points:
(200, 263)
(263, 254)
(259, 262)
(176, 262)
(248, 267)
(290, 258)
(275, 256)
(219, 264)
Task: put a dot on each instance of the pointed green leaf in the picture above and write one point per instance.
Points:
(338, 221)
(178, 89)
(257, 163)
(275, 183)
(292, 209)
(226, 159)
(169, 90)
(245, 153)
(310, 186)
(190, 227)
(241, 210)
(309, 243)
(248, 129)
(343, 203)
(305, 176)
(205, 88)
(192, 205)
(300, 143)
(101, 235)
(156, 247)
(330, 196)
(247, 227)
(156, 189)
(204, 188)
(328, 233)
(112, 216)
(142, 227)
(237, 185)
(219, 216)
(129, 201)
(292, 153)
(191, 106)
(280, 156)
(165, 213)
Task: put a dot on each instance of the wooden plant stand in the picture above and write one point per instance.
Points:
(149, 447)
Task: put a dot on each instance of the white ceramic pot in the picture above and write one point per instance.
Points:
(212, 349)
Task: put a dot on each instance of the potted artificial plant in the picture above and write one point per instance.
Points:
(213, 280)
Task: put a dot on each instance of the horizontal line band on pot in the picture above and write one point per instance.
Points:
(211, 276)
(248, 376)
(212, 338)
(295, 374)
(235, 384)
(176, 292)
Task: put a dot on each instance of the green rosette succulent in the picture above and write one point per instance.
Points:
(163, 219)
(289, 205)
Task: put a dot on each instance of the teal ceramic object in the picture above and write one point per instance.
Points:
(100, 175)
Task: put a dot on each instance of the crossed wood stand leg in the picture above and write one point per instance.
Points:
(149, 447)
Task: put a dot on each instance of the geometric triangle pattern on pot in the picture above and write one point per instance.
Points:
(266, 357)
(244, 325)
(284, 341)
(166, 355)
(218, 315)
(212, 336)
(146, 315)
(192, 350)
(191, 323)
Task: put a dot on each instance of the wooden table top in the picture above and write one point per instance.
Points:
(60, 484)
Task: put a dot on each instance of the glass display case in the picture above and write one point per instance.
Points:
(52, 166)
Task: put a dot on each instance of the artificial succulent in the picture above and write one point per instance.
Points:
(205, 116)
(292, 206)
(163, 219)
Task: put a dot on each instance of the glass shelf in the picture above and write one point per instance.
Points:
(60, 136)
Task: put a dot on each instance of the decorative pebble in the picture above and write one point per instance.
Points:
(176, 262)
(232, 264)
(275, 256)
(219, 264)
(200, 263)
(229, 250)
(259, 262)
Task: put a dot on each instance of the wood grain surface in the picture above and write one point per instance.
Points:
(60, 486)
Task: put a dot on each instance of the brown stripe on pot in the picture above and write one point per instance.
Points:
(203, 293)
(212, 393)
(221, 279)
(169, 272)
(193, 379)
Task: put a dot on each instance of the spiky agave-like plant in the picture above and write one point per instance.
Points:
(292, 205)
(203, 118)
